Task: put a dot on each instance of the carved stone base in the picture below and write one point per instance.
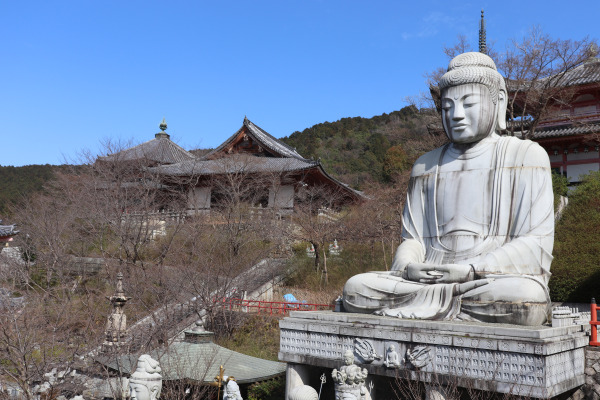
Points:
(539, 362)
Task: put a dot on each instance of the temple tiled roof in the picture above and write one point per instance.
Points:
(247, 164)
(201, 361)
(160, 150)
(235, 164)
(588, 72)
(565, 130)
(261, 136)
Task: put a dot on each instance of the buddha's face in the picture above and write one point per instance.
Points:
(468, 113)
(137, 391)
(348, 358)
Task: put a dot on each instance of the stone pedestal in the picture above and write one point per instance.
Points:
(539, 362)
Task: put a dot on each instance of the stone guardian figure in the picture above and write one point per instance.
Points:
(478, 223)
(232, 391)
(349, 380)
(146, 382)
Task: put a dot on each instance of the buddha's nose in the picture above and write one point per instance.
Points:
(459, 113)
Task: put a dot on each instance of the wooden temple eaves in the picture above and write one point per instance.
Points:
(251, 139)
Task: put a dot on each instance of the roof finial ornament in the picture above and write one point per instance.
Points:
(592, 53)
(245, 119)
(162, 133)
(482, 40)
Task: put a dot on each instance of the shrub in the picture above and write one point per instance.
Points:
(273, 389)
(576, 265)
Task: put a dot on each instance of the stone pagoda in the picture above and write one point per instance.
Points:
(116, 326)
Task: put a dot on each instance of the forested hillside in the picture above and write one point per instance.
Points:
(358, 150)
(17, 182)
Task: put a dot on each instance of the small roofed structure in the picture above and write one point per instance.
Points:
(158, 151)
(198, 360)
(254, 152)
(7, 232)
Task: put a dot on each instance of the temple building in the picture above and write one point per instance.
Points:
(269, 173)
(571, 132)
(571, 135)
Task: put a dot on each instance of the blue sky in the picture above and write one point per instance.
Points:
(76, 73)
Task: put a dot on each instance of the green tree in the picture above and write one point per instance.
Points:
(395, 162)
(576, 265)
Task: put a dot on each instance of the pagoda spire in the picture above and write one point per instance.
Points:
(482, 40)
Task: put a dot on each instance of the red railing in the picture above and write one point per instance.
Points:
(594, 323)
(273, 307)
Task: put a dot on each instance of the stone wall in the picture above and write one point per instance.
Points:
(591, 389)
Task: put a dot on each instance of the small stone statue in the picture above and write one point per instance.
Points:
(303, 392)
(232, 391)
(391, 357)
(146, 382)
(350, 380)
(334, 249)
(310, 251)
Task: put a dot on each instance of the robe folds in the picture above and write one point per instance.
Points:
(489, 206)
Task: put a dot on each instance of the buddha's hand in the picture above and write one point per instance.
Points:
(444, 273)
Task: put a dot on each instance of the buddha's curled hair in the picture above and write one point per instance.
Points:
(473, 67)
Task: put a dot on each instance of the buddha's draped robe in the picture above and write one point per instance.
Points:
(490, 206)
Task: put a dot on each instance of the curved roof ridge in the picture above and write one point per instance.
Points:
(272, 142)
(263, 137)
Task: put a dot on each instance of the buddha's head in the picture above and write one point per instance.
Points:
(348, 357)
(473, 98)
(146, 382)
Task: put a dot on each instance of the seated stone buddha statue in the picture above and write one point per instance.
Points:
(478, 222)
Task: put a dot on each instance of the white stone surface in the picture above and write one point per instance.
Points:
(535, 361)
(478, 224)
(146, 381)
(231, 391)
(296, 375)
(303, 392)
